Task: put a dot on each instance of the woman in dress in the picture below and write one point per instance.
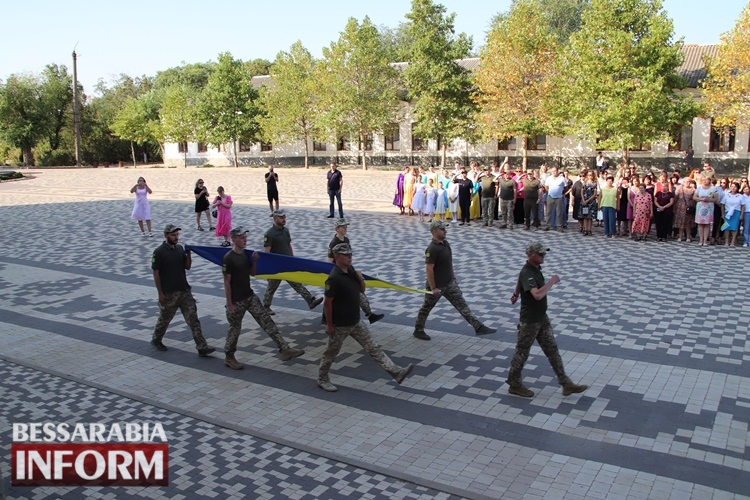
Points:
(622, 206)
(589, 206)
(417, 204)
(398, 197)
(141, 209)
(663, 201)
(409, 180)
(635, 183)
(452, 193)
(643, 207)
(202, 204)
(684, 211)
(732, 210)
(430, 203)
(223, 205)
(746, 218)
(705, 196)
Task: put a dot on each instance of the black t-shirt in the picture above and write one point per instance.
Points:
(507, 186)
(464, 187)
(577, 189)
(237, 266)
(335, 241)
(488, 186)
(334, 180)
(344, 289)
(663, 198)
(279, 240)
(441, 255)
(531, 188)
(271, 184)
(532, 310)
(170, 262)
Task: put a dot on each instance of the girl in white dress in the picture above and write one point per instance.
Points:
(430, 200)
(141, 209)
(440, 205)
(453, 199)
(419, 199)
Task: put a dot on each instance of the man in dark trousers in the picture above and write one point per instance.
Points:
(465, 190)
(335, 184)
(237, 268)
(278, 240)
(441, 281)
(535, 325)
(169, 263)
(343, 287)
(272, 190)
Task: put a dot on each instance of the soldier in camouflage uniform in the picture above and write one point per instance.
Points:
(441, 281)
(278, 240)
(535, 324)
(237, 268)
(169, 263)
(341, 305)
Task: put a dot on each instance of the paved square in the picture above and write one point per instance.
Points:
(658, 330)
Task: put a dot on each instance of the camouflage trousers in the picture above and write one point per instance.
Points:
(185, 302)
(488, 209)
(542, 333)
(506, 209)
(454, 295)
(361, 334)
(259, 313)
(273, 285)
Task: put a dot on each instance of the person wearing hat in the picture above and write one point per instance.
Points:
(343, 286)
(488, 193)
(278, 240)
(441, 281)
(169, 263)
(340, 237)
(535, 324)
(237, 267)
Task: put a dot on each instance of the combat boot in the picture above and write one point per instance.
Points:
(401, 374)
(290, 353)
(571, 388)
(232, 363)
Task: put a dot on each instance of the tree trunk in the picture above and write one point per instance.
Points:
(132, 153)
(236, 143)
(443, 155)
(626, 156)
(28, 157)
(307, 153)
(184, 165)
(525, 161)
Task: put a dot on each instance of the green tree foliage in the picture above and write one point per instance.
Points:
(228, 109)
(562, 17)
(396, 42)
(514, 80)
(439, 87)
(358, 87)
(258, 67)
(194, 76)
(138, 121)
(726, 91)
(179, 116)
(619, 76)
(289, 104)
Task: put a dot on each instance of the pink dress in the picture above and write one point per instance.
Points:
(224, 218)
(642, 208)
(141, 209)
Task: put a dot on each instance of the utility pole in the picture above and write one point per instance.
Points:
(76, 114)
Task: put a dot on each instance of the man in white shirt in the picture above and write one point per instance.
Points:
(554, 186)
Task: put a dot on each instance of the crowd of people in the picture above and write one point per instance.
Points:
(624, 203)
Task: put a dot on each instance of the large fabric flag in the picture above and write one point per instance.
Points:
(273, 266)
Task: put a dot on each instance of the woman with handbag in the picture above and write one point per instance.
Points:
(223, 205)
(202, 204)
(589, 206)
(705, 196)
(684, 211)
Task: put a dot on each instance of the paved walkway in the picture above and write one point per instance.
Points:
(652, 328)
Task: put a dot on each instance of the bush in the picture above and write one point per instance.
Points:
(9, 176)
(206, 165)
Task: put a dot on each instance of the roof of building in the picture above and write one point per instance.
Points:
(693, 69)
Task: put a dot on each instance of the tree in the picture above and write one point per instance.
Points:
(726, 90)
(138, 121)
(563, 17)
(194, 76)
(439, 87)
(396, 42)
(179, 117)
(514, 80)
(289, 103)
(57, 101)
(619, 78)
(358, 87)
(227, 109)
(22, 122)
(258, 67)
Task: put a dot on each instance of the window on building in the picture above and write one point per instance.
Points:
(245, 147)
(508, 144)
(536, 143)
(343, 144)
(202, 147)
(319, 145)
(680, 137)
(392, 138)
(722, 138)
(368, 142)
(266, 146)
(182, 147)
(417, 143)
(644, 146)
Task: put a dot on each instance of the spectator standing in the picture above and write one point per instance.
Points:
(202, 204)
(272, 190)
(141, 208)
(335, 185)
(223, 205)
(664, 203)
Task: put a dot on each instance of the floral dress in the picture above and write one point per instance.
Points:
(589, 189)
(642, 212)
(683, 200)
(704, 210)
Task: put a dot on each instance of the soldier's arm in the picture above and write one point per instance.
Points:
(188, 259)
(228, 293)
(157, 281)
(540, 293)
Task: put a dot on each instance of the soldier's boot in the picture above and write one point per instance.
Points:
(315, 303)
(205, 351)
(232, 363)
(571, 388)
(421, 335)
(290, 353)
(521, 391)
(372, 318)
(485, 330)
(401, 374)
(327, 386)
(158, 345)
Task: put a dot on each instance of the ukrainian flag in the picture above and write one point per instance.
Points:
(273, 266)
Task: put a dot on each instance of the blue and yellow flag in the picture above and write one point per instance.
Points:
(273, 266)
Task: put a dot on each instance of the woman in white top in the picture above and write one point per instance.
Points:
(746, 219)
(733, 210)
(141, 209)
(706, 196)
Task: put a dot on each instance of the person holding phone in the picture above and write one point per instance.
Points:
(202, 204)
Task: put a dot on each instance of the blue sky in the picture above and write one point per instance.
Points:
(142, 37)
